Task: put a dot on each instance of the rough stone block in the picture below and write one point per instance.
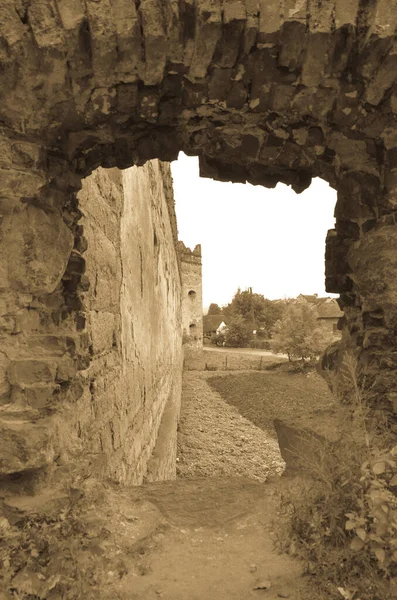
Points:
(24, 446)
(302, 446)
(234, 18)
(374, 263)
(102, 325)
(346, 12)
(270, 16)
(129, 42)
(20, 184)
(37, 398)
(155, 41)
(103, 41)
(30, 372)
(207, 35)
(45, 25)
(384, 79)
(33, 266)
(5, 386)
(71, 12)
(27, 320)
(66, 370)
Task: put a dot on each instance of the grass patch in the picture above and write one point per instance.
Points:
(262, 397)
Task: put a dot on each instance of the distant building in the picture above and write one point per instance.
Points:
(192, 295)
(213, 325)
(329, 313)
(327, 308)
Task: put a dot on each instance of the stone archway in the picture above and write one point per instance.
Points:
(262, 91)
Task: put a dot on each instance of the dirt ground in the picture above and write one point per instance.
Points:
(191, 539)
(218, 545)
(264, 396)
(215, 440)
(209, 535)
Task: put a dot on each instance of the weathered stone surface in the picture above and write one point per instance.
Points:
(133, 322)
(263, 92)
(33, 268)
(303, 446)
(373, 262)
(24, 446)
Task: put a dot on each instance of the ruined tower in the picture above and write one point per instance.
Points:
(192, 301)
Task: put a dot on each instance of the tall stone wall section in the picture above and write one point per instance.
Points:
(192, 306)
(91, 349)
(133, 321)
(192, 294)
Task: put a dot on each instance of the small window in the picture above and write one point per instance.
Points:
(192, 327)
(192, 294)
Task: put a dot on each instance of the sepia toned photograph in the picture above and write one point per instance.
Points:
(198, 299)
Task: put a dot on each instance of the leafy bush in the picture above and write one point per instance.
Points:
(299, 334)
(341, 515)
(375, 521)
(238, 334)
(218, 339)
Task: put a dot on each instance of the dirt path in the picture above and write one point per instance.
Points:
(214, 439)
(216, 545)
(254, 351)
(208, 538)
(201, 539)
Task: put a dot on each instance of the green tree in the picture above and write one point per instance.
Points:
(299, 333)
(238, 333)
(259, 312)
(214, 309)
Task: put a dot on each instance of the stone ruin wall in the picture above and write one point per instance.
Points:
(192, 294)
(111, 358)
(261, 90)
(133, 321)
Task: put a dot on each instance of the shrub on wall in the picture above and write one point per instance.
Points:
(341, 516)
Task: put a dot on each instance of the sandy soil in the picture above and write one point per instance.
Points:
(215, 440)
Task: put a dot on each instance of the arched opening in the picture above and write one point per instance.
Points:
(270, 240)
(192, 294)
(260, 95)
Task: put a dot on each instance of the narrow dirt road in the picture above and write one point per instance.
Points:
(215, 440)
(216, 540)
(208, 538)
(215, 544)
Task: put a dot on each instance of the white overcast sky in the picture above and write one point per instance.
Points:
(250, 236)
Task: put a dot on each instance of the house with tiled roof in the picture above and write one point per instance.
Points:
(327, 309)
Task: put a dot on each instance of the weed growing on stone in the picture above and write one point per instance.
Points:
(340, 513)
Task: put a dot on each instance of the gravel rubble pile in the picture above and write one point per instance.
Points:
(215, 440)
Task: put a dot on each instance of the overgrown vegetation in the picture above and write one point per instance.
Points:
(245, 314)
(299, 333)
(262, 397)
(341, 515)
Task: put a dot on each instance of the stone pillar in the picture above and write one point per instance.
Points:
(38, 350)
(361, 264)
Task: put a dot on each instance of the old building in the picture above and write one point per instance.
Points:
(327, 310)
(192, 294)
